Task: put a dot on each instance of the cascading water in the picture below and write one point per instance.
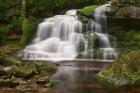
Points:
(60, 38)
(57, 38)
(100, 31)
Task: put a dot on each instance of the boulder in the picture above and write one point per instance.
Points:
(124, 71)
(8, 83)
(22, 71)
(9, 60)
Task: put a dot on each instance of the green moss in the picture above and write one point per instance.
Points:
(22, 71)
(125, 70)
(89, 10)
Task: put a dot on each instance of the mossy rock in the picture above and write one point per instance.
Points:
(22, 71)
(124, 71)
(114, 2)
(42, 80)
(9, 60)
(41, 66)
(88, 10)
(8, 83)
(10, 48)
(86, 13)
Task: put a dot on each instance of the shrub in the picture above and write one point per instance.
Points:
(27, 30)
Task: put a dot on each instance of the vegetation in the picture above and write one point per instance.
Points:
(124, 35)
(28, 31)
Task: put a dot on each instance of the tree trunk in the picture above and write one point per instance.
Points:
(23, 10)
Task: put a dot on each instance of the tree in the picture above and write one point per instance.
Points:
(23, 10)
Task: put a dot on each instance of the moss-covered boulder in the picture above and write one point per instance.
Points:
(9, 60)
(44, 67)
(124, 71)
(22, 71)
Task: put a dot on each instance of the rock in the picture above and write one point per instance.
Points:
(126, 12)
(41, 66)
(88, 10)
(2, 71)
(8, 83)
(42, 80)
(9, 60)
(85, 13)
(22, 71)
(124, 71)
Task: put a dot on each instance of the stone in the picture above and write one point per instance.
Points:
(124, 71)
(22, 71)
(8, 83)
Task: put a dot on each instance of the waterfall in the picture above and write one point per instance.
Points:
(101, 32)
(57, 37)
(61, 38)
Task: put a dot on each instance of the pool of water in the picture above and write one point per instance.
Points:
(78, 77)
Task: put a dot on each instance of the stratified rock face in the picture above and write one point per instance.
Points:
(134, 2)
(124, 71)
(126, 8)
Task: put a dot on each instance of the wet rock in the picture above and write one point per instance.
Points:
(124, 71)
(42, 80)
(87, 11)
(126, 12)
(2, 71)
(9, 60)
(9, 49)
(8, 83)
(22, 71)
(41, 66)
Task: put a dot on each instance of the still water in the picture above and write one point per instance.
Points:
(78, 77)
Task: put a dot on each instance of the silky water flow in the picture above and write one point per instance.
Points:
(60, 38)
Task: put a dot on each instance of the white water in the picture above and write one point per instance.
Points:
(59, 37)
(101, 30)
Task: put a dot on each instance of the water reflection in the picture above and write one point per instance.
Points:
(76, 78)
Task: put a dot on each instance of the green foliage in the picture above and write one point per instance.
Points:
(9, 9)
(126, 38)
(4, 29)
(27, 29)
(41, 8)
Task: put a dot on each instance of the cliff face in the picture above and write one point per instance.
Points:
(126, 8)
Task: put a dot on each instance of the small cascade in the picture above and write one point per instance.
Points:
(101, 32)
